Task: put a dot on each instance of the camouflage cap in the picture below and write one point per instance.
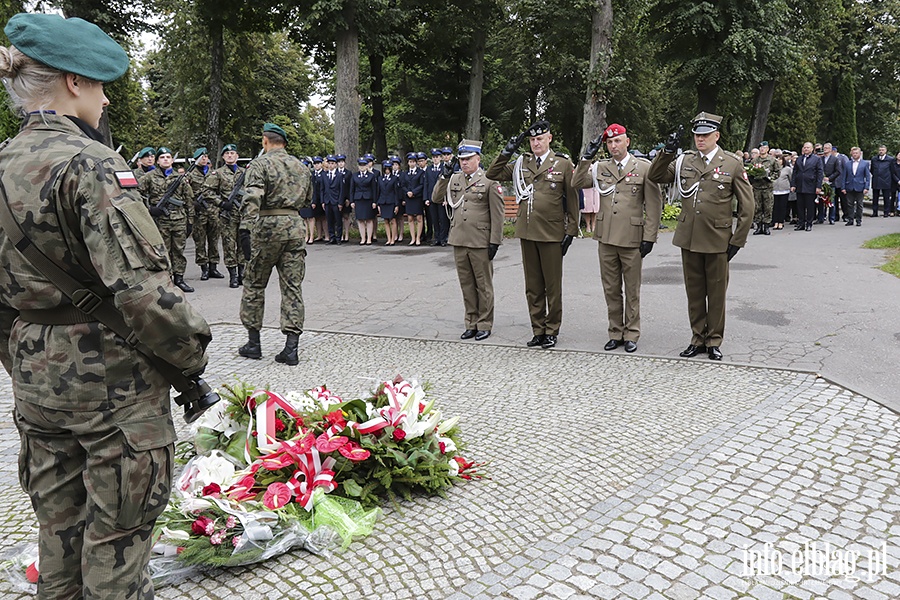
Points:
(70, 45)
(146, 151)
(199, 152)
(229, 148)
(273, 128)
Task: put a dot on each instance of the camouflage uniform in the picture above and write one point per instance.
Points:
(220, 183)
(275, 183)
(92, 413)
(206, 218)
(763, 187)
(173, 228)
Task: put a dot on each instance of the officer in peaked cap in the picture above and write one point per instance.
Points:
(546, 223)
(707, 179)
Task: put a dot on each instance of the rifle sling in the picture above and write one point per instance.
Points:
(86, 305)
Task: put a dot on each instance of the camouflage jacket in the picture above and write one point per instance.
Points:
(201, 198)
(220, 182)
(153, 186)
(276, 181)
(63, 187)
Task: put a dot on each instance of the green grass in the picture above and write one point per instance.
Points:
(888, 242)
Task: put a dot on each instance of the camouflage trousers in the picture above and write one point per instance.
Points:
(289, 258)
(174, 235)
(206, 237)
(229, 230)
(97, 480)
(764, 200)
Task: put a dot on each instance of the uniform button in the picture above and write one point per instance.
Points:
(698, 212)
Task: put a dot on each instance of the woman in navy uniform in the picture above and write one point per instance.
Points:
(388, 200)
(400, 174)
(363, 194)
(413, 198)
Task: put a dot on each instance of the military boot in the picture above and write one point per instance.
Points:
(178, 280)
(288, 356)
(214, 272)
(252, 349)
(233, 277)
(240, 275)
(204, 272)
(765, 228)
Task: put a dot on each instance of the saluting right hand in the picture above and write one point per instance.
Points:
(447, 169)
(514, 144)
(673, 142)
(593, 148)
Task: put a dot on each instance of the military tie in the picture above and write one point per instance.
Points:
(539, 163)
(620, 169)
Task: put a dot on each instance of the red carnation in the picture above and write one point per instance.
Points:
(200, 526)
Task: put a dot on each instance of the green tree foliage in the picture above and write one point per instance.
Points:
(844, 134)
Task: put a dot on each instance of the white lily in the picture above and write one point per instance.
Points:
(454, 468)
(447, 425)
(190, 505)
(175, 534)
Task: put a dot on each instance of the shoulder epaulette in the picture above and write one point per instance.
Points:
(563, 154)
(641, 159)
(734, 156)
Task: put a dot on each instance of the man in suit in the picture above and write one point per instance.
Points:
(627, 225)
(333, 194)
(707, 181)
(806, 181)
(546, 223)
(476, 232)
(855, 182)
(880, 167)
(831, 172)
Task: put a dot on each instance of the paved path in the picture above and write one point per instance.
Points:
(613, 475)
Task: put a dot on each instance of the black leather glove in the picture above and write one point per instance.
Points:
(565, 243)
(646, 248)
(244, 241)
(593, 148)
(673, 142)
(156, 212)
(492, 250)
(514, 144)
(190, 229)
(448, 168)
(732, 250)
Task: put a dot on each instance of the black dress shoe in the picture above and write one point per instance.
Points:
(691, 351)
(630, 346)
(482, 335)
(799, 227)
(848, 223)
(809, 226)
(714, 353)
(549, 342)
(537, 340)
(468, 334)
(613, 344)
(859, 223)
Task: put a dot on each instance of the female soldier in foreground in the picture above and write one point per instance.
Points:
(92, 413)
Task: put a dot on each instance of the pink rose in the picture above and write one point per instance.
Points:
(277, 495)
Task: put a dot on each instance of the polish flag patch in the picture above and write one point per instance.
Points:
(126, 179)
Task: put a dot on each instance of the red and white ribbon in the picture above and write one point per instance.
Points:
(315, 473)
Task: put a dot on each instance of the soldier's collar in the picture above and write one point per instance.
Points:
(89, 131)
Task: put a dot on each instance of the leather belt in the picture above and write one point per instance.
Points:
(278, 212)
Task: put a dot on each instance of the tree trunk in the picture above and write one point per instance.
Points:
(601, 52)
(707, 97)
(762, 104)
(217, 66)
(476, 86)
(376, 69)
(347, 100)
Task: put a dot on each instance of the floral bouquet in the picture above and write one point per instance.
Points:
(827, 195)
(757, 172)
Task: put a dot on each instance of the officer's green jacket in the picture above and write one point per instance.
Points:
(74, 197)
(477, 219)
(276, 181)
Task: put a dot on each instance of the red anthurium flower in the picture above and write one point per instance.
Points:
(325, 444)
(212, 489)
(353, 451)
(243, 489)
(277, 495)
(31, 573)
(399, 434)
(200, 526)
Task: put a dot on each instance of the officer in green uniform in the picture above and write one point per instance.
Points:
(220, 185)
(93, 413)
(546, 223)
(174, 221)
(627, 226)
(273, 235)
(206, 219)
(476, 232)
(707, 180)
(763, 170)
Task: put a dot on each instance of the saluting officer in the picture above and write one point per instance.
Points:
(476, 232)
(173, 226)
(276, 187)
(220, 185)
(627, 225)
(546, 223)
(206, 219)
(707, 181)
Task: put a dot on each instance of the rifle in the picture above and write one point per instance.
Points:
(167, 198)
(133, 158)
(234, 201)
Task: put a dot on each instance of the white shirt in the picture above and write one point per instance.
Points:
(708, 157)
(543, 157)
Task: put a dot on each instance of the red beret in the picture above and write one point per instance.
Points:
(613, 130)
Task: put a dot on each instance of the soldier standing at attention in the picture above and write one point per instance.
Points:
(707, 180)
(206, 219)
(437, 215)
(220, 184)
(277, 186)
(146, 161)
(92, 412)
(627, 225)
(763, 186)
(545, 225)
(475, 234)
(175, 220)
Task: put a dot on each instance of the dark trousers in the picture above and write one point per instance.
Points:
(335, 221)
(820, 210)
(855, 202)
(839, 206)
(806, 208)
(429, 222)
(884, 194)
(440, 222)
(779, 209)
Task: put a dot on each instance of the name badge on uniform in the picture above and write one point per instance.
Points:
(126, 179)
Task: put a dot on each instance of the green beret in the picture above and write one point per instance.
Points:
(229, 148)
(163, 150)
(273, 128)
(146, 151)
(199, 152)
(70, 45)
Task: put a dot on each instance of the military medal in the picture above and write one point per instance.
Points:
(552, 186)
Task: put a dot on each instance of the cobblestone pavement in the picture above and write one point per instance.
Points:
(613, 476)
